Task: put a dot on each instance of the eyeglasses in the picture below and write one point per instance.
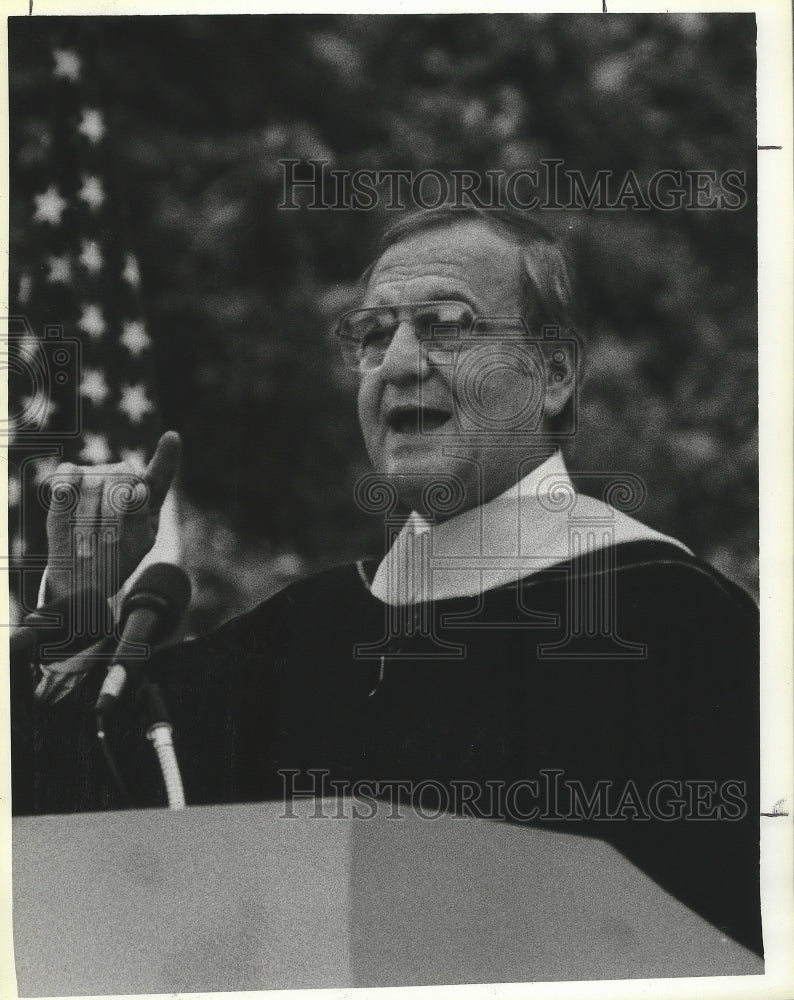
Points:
(365, 334)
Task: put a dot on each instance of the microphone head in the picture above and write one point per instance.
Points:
(161, 587)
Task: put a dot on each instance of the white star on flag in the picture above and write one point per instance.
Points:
(91, 192)
(93, 386)
(39, 409)
(14, 491)
(134, 457)
(135, 337)
(67, 64)
(95, 449)
(134, 402)
(60, 270)
(50, 206)
(49, 409)
(92, 321)
(91, 125)
(131, 274)
(25, 288)
(45, 467)
(91, 257)
(29, 346)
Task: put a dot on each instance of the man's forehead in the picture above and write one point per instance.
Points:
(466, 259)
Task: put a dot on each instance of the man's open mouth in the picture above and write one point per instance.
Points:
(416, 419)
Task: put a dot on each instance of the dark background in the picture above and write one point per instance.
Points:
(240, 296)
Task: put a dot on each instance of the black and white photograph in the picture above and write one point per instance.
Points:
(398, 449)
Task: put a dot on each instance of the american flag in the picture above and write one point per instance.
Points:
(80, 355)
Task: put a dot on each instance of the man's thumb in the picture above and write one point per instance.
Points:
(160, 472)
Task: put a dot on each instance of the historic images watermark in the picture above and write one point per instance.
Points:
(50, 383)
(467, 356)
(551, 186)
(547, 797)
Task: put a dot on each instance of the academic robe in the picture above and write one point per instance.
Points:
(623, 684)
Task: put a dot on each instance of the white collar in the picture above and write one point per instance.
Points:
(537, 523)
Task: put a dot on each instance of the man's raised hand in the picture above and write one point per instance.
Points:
(103, 519)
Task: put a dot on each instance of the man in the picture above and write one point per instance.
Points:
(514, 635)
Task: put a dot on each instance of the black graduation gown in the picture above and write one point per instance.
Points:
(623, 684)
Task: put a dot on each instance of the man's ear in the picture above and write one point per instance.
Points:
(560, 368)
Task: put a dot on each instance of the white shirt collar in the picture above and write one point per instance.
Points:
(537, 523)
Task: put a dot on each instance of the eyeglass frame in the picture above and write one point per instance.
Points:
(445, 347)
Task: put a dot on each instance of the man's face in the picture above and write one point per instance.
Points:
(422, 420)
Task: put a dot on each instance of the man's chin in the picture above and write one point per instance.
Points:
(429, 486)
(418, 469)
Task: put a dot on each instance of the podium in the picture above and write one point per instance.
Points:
(314, 894)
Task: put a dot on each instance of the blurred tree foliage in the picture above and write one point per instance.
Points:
(241, 294)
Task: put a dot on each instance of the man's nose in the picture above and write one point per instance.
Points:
(405, 357)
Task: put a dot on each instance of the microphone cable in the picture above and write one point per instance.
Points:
(149, 613)
(160, 732)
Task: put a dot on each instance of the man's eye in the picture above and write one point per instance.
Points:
(453, 313)
(442, 323)
(375, 335)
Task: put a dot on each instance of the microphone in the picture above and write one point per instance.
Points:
(149, 613)
(80, 620)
